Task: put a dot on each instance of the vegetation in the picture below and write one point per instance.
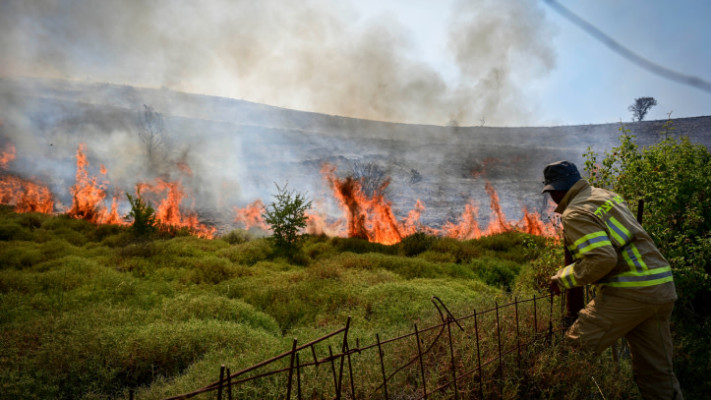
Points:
(673, 178)
(89, 312)
(286, 217)
(143, 216)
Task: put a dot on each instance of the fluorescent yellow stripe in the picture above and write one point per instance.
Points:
(648, 277)
(588, 237)
(595, 246)
(567, 278)
(640, 283)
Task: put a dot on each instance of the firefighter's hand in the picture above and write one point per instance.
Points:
(554, 285)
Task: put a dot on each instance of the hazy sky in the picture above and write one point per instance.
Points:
(492, 62)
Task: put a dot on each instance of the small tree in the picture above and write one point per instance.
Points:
(641, 106)
(143, 214)
(287, 217)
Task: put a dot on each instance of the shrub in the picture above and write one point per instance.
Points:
(672, 177)
(287, 217)
(416, 243)
(214, 307)
(358, 245)
(237, 236)
(210, 269)
(143, 215)
(14, 231)
(248, 253)
(496, 272)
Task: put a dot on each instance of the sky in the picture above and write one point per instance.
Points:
(444, 62)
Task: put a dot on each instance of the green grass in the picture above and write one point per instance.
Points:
(91, 312)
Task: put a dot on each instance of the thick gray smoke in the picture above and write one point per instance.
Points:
(314, 55)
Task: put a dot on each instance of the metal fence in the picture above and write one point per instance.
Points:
(460, 357)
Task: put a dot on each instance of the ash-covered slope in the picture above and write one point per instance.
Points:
(237, 150)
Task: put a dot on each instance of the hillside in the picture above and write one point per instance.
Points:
(237, 150)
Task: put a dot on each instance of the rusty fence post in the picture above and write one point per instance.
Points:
(130, 394)
(422, 365)
(229, 385)
(382, 367)
(478, 356)
(222, 378)
(333, 369)
(350, 372)
(291, 369)
(535, 317)
(343, 358)
(298, 377)
(451, 354)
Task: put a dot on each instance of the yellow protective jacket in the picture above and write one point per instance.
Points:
(610, 248)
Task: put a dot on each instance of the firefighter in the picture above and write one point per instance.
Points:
(634, 286)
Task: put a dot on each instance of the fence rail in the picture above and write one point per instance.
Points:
(460, 356)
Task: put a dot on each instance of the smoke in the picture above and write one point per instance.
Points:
(314, 55)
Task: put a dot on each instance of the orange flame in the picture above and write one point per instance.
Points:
(168, 211)
(467, 228)
(25, 195)
(7, 155)
(88, 195)
(372, 217)
(499, 223)
(368, 218)
(251, 215)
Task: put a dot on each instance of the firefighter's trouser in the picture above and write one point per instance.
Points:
(646, 328)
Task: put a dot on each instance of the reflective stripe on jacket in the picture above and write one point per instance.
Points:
(610, 248)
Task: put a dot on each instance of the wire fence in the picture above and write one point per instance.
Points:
(460, 357)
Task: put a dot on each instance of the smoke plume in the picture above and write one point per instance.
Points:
(313, 55)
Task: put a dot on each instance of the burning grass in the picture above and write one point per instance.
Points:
(367, 214)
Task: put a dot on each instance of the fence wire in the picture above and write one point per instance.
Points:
(460, 357)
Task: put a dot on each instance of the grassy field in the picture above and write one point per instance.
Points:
(89, 312)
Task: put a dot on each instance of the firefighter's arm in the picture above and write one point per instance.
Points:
(591, 248)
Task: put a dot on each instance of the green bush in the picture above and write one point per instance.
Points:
(237, 236)
(286, 217)
(248, 253)
(20, 255)
(416, 243)
(672, 177)
(214, 307)
(496, 272)
(14, 231)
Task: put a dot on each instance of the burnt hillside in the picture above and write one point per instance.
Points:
(237, 150)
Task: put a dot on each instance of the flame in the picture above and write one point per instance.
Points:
(88, 195)
(372, 217)
(251, 215)
(365, 216)
(368, 218)
(467, 228)
(26, 195)
(499, 223)
(168, 211)
(7, 155)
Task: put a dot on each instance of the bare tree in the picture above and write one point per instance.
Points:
(640, 107)
(152, 130)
